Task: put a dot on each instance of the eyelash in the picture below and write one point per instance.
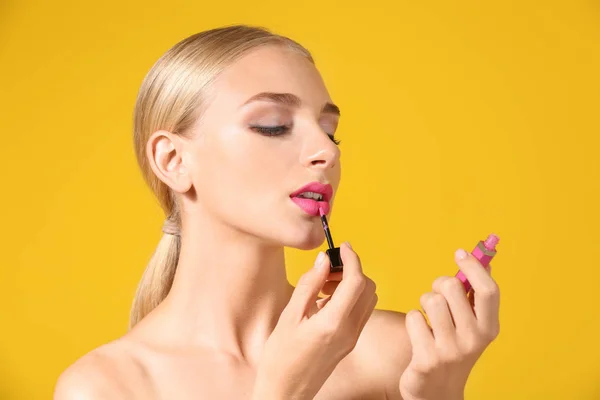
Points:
(282, 129)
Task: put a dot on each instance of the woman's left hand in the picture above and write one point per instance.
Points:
(461, 329)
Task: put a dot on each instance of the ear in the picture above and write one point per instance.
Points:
(164, 152)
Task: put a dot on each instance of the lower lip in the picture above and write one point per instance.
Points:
(311, 206)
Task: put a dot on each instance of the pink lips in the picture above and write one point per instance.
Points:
(311, 206)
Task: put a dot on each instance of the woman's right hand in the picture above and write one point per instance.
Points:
(312, 336)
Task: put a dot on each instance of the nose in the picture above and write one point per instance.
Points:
(319, 151)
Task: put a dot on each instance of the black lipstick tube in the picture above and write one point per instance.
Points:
(333, 252)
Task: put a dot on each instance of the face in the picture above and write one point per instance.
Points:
(267, 132)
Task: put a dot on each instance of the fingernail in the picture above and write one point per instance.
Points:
(461, 254)
(348, 244)
(319, 259)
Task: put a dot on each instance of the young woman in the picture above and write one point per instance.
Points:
(232, 128)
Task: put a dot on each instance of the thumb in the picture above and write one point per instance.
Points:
(310, 284)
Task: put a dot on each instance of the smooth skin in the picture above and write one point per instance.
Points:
(210, 337)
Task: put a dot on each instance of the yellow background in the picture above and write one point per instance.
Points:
(459, 119)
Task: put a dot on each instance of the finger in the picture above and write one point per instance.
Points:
(437, 284)
(350, 288)
(487, 293)
(475, 273)
(329, 287)
(421, 338)
(307, 290)
(460, 309)
(436, 307)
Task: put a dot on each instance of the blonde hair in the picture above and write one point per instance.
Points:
(170, 98)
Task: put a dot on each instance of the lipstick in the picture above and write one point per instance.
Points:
(484, 252)
(333, 252)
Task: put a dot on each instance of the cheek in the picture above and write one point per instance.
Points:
(238, 165)
(258, 161)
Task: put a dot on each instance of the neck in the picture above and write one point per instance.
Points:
(228, 293)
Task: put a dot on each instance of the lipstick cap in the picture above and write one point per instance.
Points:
(336, 259)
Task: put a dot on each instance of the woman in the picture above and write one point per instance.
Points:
(230, 126)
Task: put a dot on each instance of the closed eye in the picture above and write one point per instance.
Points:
(280, 130)
(270, 130)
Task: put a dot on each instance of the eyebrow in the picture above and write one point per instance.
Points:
(290, 100)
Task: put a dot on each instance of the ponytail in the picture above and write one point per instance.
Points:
(158, 277)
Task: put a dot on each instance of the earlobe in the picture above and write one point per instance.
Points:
(165, 158)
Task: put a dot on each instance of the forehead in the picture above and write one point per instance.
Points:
(271, 69)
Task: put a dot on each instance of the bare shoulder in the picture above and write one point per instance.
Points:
(385, 350)
(110, 371)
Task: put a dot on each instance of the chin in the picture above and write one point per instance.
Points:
(304, 239)
(306, 245)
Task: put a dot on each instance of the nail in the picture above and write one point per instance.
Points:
(461, 254)
(319, 259)
(348, 244)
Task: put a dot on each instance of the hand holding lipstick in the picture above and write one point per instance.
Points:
(313, 335)
(444, 354)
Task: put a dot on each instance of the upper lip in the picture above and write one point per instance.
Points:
(325, 190)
